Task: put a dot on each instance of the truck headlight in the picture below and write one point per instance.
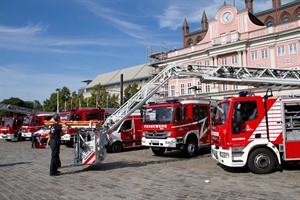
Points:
(224, 154)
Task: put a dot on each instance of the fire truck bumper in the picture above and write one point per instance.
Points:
(168, 143)
(66, 137)
(26, 134)
(6, 136)
(225, 157)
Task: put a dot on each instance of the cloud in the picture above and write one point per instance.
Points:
(34, 38)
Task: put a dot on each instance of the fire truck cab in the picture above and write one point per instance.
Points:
(177, 124)
(32, 123)
(127, 135)
(10, 127)
(258, 132)
(81, 114)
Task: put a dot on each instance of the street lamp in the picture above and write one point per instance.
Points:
(57, 102)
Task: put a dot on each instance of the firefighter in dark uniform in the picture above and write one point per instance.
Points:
(54, 139)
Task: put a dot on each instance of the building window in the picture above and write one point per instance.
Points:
(234, 59)
(182, 89)
(223, 39)
(207, 62)
(224, 87)
(264, 53)
(189, 85)
(235, 87)
(293, 48)
(298, 16)
(191, 44)
(269, 23)
(234, 36)
(207, 88)
(199, 87)
(280, 51)
(172, 91)
(223, 61)
(254, 55)
(285, 19)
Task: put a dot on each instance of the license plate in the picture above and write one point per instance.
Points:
(154, 141)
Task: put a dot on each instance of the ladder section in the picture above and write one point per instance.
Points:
(17, 109)
(150, 89)
(253, 76)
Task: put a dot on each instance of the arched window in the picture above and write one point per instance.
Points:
(190, 43)
(269, 23)
(285, 19)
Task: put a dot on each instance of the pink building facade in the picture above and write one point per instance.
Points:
(237, 39)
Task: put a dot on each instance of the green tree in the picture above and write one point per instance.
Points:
(130, 90)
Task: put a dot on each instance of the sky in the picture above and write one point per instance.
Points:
(50, 44)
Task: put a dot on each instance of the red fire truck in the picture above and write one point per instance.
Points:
(10, 127)
(258, 132)
(177, 124)
(81, 114)
(33, 123)
(127, 135)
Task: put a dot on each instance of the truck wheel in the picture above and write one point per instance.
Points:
(116, 147)
(69, 143)
(261, 161)
(158, 151)
(190, 148)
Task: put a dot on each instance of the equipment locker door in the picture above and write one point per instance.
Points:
(291, 128)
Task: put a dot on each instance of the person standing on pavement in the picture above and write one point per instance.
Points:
(55, 133)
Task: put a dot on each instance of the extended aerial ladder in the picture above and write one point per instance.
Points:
(21, 110)
(94, 150)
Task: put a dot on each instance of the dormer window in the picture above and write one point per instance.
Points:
(285, 19)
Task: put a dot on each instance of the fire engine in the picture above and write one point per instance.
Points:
(10, 127)
(127, 135)
(177, 124)
(33, 123)
(81, 114)
(93, 138)
(260, 132)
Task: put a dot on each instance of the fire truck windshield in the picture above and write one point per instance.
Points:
(7, 122)
(159, 115)
(221, 112)
(27, 121)
(65, 117)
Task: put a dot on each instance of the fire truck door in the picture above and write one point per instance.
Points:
(127, 132)
(291, 132)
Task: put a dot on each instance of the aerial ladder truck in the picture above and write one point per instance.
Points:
(92, 138)
(90, 144)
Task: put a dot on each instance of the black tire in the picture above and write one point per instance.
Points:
(69, 143)
(116, 147)
(190, 148)
(261, 161)
(8, 140)
(158, 151)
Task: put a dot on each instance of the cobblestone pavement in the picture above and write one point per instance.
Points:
(136, 174)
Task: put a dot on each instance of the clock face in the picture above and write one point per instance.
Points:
(226, 17)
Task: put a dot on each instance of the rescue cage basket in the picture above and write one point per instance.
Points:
(89, 146)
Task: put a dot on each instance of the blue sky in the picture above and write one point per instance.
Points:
(49, 44)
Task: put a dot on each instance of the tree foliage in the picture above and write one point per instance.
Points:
(130, 90)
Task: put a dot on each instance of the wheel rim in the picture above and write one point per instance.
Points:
(191, 149)
(262, 161)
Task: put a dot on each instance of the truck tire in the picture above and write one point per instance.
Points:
(158, 151)
(190, 148)
(69, 143)
(116, 147)
(261, 161)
